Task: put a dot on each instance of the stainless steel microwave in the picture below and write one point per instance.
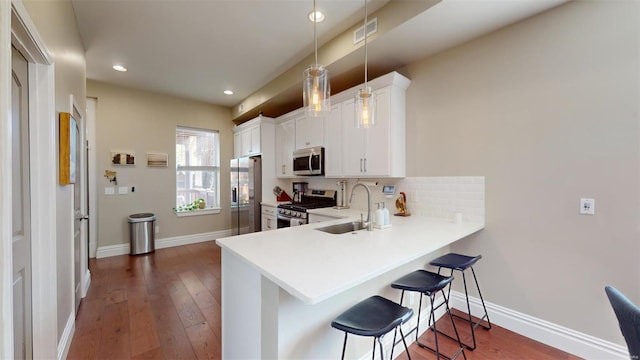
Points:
(308, 161)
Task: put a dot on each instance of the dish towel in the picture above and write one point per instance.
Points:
(297, 222)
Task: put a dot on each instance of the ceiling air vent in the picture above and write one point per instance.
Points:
(372, 27)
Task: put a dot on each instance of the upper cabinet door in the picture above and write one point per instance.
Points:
(377, 149)
(285, 137)
(245, 141)
(237, 145)
(255, 140)
(333, 145)
(352, 142)
(309, 132)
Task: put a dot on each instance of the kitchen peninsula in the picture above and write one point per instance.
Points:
(282, 288)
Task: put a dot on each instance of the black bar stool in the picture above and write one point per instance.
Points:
(453, 261)
(429, 283)
(375, 317)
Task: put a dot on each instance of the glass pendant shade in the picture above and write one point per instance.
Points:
(316, 91)
(365, 106)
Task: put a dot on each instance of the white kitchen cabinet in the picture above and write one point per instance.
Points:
(309, 132)
(285, 139)
(333, 145)
(248, 137)
(378, 151)
(269, 217)
(250, 141)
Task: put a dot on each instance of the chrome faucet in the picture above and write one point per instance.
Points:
(368, 223)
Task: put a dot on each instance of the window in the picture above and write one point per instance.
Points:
(197, 169)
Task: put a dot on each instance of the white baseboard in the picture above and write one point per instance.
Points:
(123, 249)
(67, 336)
(560, 337)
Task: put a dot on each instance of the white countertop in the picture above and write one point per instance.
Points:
(313, 265)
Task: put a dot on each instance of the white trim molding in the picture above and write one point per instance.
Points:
(67, 337)
(123, 249)
(6, 294)
(557, 336)
(17, 28)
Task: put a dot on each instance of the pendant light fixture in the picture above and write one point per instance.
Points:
(365, 98)
(316, 90)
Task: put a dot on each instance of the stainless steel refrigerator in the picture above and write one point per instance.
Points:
(246, 194)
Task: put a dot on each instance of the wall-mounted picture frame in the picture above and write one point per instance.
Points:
(157, 160)
(124, 158)
(67, 149)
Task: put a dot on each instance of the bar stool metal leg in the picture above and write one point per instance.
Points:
(432, 326)
(472, 325)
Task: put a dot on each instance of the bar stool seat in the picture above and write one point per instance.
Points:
(459, 262)
(374, 316)
(429, 283)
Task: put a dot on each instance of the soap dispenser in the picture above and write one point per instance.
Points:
(385, 211)
(379, 216)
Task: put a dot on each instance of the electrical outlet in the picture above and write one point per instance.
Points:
(587, 206)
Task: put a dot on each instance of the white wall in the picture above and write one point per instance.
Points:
(547, 111)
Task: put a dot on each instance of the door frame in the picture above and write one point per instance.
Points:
(17, 28)
(83, 181)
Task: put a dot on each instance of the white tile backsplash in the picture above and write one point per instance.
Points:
(443, 196)
(438, 196)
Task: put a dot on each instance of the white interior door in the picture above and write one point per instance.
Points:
(80, 228)
(21, 209)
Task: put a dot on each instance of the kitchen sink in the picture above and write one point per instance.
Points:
(342, 228)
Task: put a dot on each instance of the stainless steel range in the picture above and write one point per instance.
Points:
(295, 213)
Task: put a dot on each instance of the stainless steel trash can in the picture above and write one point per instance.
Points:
(141, 233)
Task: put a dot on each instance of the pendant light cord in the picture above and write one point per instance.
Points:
(365, 42)
(315, 36)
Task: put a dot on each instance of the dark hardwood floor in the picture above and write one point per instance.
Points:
(166, 305)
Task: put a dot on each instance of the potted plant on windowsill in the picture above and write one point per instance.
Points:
(198, 204)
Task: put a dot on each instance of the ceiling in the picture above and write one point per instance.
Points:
(198, 48)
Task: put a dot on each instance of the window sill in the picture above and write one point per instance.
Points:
(198, 212)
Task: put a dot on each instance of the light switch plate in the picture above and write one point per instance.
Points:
(109, 190)
(122, 190)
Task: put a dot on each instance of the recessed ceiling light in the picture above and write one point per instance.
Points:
(316, 16)
(228, 92)
(119, 68)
